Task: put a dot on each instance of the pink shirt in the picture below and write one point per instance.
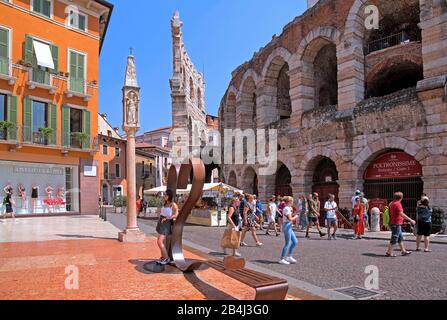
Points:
(395, 210)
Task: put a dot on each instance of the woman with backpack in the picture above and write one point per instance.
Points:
(424, 224)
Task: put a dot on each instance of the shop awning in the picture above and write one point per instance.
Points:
(43, 54)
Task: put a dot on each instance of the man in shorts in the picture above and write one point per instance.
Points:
(331, 216)
(314, 214)
(397, 217)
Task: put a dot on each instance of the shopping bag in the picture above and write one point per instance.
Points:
(231, 239)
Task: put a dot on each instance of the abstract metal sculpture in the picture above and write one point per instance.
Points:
(196, 169)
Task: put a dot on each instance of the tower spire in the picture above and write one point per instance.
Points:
(130, 79)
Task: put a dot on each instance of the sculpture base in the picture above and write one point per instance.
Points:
(132, 236)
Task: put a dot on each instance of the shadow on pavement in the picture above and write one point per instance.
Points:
(208, 291)
(80, 236)
(265, 262)
(374, 255)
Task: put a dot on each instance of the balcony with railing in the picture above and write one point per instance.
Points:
(6, 70)
(39, 136)
(9, 135)
(41, 78)
(78, 87)
(391, 41)
(79, 142)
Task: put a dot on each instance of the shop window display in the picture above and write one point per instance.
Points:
(40, 188)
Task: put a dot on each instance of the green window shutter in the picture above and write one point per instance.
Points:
(86, 123)
(66, 126)
(12, 116)
(81, 66)
(81, 22)
(73, 70)
(37, 6)
(52, 122)
(55, 55)
(27, 120)
(4, 51)
(46, 8)
(29, 50)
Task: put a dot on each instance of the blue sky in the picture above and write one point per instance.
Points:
(219, 36)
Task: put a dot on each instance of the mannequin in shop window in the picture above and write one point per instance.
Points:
(60, 198)
(34, 196)
(49, 201)
(22, 194)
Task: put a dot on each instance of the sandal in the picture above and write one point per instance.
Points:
(417, 250)
(406, 253)
(427, 250)
(390, 255)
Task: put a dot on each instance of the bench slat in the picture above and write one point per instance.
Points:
(249, 277)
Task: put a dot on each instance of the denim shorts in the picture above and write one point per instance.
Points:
(396, 234)
(331, 221)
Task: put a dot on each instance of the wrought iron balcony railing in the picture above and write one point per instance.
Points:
(390, 41)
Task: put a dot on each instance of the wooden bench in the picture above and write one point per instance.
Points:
(267, 287)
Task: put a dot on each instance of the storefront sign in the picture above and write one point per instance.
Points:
(89, 171)
(394, 165)
(38, 170)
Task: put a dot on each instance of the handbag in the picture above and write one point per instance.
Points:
(231, 239)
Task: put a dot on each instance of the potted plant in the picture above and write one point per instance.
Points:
(119, 202)
(80, 137)
(47, 133)
(5, 127)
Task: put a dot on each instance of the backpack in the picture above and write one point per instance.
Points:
(386, 217)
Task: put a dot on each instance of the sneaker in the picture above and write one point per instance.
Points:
(259, 244)
(243, 244)
(291, 260)
(237, 254)
(322, 234)
(284, 262)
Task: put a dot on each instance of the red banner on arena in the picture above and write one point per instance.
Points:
(393, 165)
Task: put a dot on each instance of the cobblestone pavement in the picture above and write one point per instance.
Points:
(342, 263)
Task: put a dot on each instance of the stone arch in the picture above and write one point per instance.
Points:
(277, 54)
(393, 74)
(276, 86)
(230, 109)
(310, 161)
(250, 73)
(328, 33)
(232, 179)
(249, 177)
(246, 110)
(283, 180)
(319, 42)
(374, 149)
(191, 89)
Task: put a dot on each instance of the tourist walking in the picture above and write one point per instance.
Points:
(279, 217)
(359, 221)
(169, 212)
(234, 221)
(272, 211)
(289, 236)
(303, 211)
(424, 223)
(365, 203)
(331, 217)
(249, 221)
(9, 205)
(259, 212)
(313, 215)
(397, 217)
(139, 205)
